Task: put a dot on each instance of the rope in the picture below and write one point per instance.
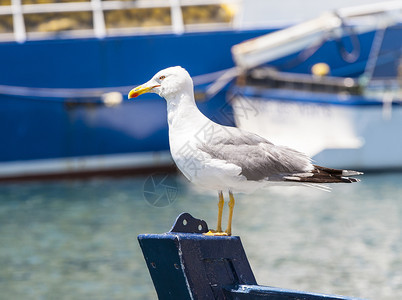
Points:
(58, 92)
(82, 95)
(222, 81)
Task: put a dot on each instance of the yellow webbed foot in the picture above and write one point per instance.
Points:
(215, 233)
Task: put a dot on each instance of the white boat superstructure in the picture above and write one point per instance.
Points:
(343, 136)
(331, 90)
(255, 52)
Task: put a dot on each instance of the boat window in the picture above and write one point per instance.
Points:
(6, 24)
(56, 22)
(199, 14)
(138, 17)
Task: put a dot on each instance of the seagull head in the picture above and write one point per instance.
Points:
(166, 83)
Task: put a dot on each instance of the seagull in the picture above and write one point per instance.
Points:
(224, 158)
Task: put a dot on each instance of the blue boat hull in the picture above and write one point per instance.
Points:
(53, 135)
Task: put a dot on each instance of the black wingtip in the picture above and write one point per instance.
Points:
(328, 175)
(349, 179)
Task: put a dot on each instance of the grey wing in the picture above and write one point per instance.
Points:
(258, 158)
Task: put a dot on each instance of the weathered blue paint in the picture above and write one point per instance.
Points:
(195, 266)
(186, 223)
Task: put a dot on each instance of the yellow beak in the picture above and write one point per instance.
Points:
(139, 90)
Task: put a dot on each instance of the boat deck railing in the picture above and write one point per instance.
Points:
(32, 19)
(270, 78)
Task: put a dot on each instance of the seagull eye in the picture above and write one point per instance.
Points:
(162, 77)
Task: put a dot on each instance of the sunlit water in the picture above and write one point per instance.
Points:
(77, 239)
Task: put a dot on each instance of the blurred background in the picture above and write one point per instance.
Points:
(83, 171)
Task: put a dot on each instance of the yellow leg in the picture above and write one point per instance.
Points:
(231, 206)
(221, 203)
(219, 231)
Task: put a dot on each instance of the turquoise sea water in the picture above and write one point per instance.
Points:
(77, 239)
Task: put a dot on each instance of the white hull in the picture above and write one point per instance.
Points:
(76, 166)
(362, 137)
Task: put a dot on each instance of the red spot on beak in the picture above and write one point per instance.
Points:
(133, 95)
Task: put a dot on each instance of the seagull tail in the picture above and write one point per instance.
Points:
(336, 175)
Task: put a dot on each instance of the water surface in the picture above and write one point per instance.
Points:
(77, 239)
